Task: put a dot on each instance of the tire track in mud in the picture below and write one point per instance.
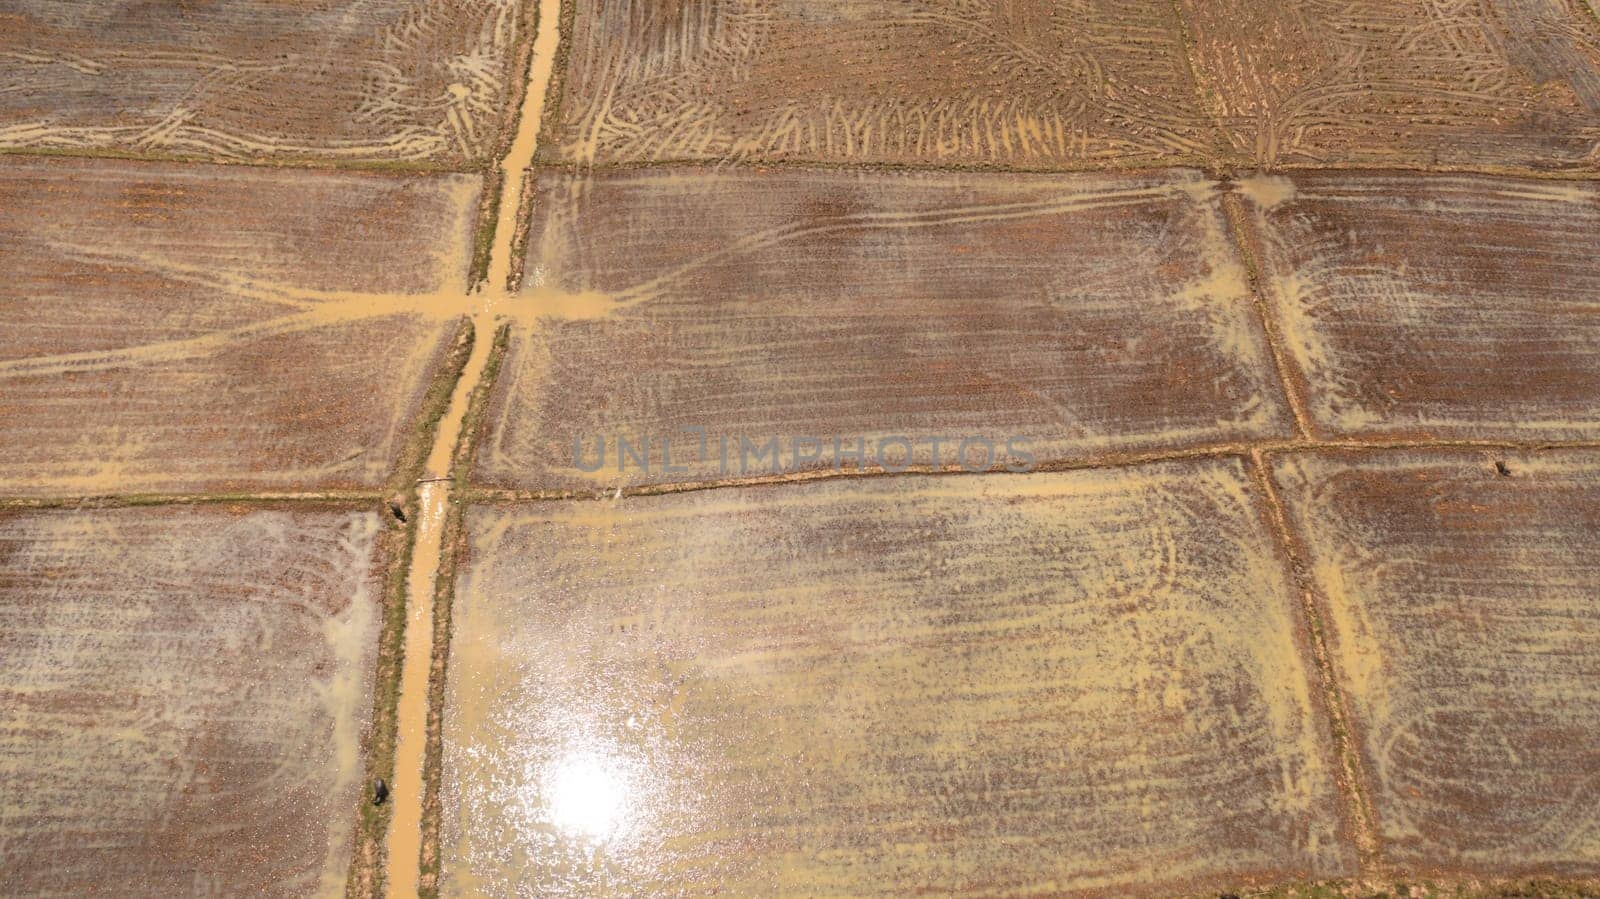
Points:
(437, 491)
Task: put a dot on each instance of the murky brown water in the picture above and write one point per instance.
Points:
(405, 831)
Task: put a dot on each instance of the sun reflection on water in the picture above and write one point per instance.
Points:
(587, 793)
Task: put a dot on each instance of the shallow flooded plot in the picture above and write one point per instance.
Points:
(1455, 307)
(800, 321)
(392, 80)
(1461, 598)
(1089, 681)
(183, 698)
(1483, 83)
(1036, 83)
(167, 328)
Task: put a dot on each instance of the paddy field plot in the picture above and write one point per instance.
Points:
(1461, 601)
(184, 693)
(1088, 682)
(1432, 307)
(1087, 314)
(1031, 83)
(393, 82)
(166, 328)
(1481, 84)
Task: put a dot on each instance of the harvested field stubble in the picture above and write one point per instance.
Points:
(166, 328)
(184, 693)
(1087, 314)
(414, 81)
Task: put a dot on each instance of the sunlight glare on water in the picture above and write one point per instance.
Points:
(586, 794)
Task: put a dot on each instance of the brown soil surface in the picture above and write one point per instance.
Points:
(391, 81)
(1462, 599)
(1480, 83)
(175, 329)
(1023, 82)
(1084, 315)
(1294, 304)
(1092, 681)
(1050, 84)
(1437, 307)
(185, 693)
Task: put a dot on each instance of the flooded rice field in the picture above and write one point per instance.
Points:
(687, 447)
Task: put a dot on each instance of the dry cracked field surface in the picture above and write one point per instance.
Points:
(764, 447)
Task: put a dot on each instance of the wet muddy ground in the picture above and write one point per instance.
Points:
(186, 693)
(1222, 517)
(984, 682)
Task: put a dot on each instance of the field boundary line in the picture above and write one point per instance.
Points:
(476, 494)
(395, 168)
(1291, 380)
(1354, 793)
(410, 857)
(1213, 169)
(126, 500)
